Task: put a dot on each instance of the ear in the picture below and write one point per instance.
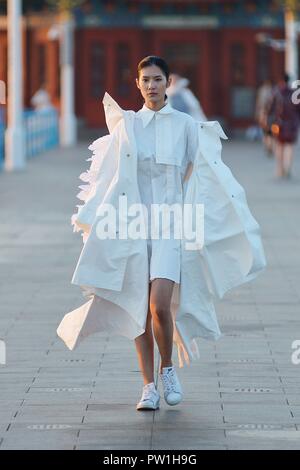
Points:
(137, 83)
(169, 82)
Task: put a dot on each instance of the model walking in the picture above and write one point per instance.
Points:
(153, 80)
(160, 288)
(286, 125)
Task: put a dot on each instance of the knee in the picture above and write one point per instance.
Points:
(160, 313)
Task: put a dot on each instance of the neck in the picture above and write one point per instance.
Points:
(155, 106)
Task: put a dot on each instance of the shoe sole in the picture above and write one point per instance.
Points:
(147, 408)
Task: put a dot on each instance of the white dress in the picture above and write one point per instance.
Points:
(160, 178)
(232, 253)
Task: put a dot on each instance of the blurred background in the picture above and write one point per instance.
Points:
(65, 54)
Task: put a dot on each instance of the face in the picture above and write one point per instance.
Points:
(153, 83)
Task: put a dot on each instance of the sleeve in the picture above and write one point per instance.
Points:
(192, 140)
(191, 136)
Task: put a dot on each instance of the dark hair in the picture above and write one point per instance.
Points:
(286, 78)
(154, 60)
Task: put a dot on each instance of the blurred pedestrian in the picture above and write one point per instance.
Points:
(183, 99)
(41, 100)
(286, 126)
(265, 120)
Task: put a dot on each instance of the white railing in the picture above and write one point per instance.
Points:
(41, 132)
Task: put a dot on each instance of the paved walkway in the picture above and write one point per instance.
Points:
(243, 393)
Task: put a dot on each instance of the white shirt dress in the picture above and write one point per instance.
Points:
(166, 143)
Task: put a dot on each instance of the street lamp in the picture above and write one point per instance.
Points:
(291, 36)
(290, 43)
(65, 33)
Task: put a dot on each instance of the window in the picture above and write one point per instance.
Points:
(97, 64)
(242, 95)
(242, 102)
(123, 72)
(237, 63)
(184, 58)
(41, 64)
(263, 54)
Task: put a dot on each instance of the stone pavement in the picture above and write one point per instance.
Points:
(242, 394)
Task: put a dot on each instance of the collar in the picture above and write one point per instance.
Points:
(146, 114)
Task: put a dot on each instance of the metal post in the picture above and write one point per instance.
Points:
(68, 124)
(291, 51)
(15, 155)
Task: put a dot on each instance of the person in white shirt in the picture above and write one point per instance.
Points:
(41, 100)
(159, 156)
(160, 178)
(183, 99)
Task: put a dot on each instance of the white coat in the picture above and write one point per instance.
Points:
(113, 273)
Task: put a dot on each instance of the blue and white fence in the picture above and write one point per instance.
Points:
(41, 132)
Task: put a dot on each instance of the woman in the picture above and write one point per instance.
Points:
(153, 80)
(286, 126)
(264, 96)
(183, 99)
(159, 156)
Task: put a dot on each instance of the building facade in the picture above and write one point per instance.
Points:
(212, 43)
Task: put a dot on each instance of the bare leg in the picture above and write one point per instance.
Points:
(279, 159)
(288, 158)
(268, 142)
(160, 302)
(145, 351)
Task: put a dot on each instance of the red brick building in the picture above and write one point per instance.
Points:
(213, 43)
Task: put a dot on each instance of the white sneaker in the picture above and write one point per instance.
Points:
(172, 388)
(150, 398)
